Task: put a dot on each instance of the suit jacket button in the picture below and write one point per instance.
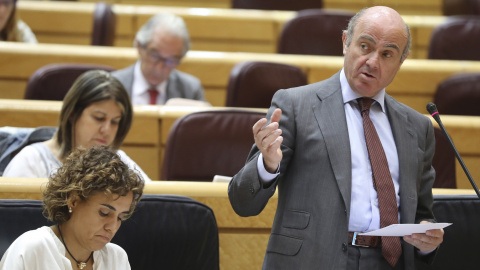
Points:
(344, 246)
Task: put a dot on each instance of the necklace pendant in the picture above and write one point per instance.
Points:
(81, 265)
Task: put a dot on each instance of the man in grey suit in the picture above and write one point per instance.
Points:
(314, 149)
(161, 43)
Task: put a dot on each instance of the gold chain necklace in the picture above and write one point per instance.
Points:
(80, 265)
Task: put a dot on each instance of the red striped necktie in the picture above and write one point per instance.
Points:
(383, 183)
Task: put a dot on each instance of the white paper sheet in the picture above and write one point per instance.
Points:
(406, 229)
(221, 179)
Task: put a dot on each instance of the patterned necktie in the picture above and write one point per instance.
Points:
(383, 183)
(153, 96)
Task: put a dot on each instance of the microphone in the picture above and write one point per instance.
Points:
(432, 109)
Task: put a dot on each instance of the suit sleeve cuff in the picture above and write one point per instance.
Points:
(265, 177)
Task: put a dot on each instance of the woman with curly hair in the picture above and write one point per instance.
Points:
(88, 198)
(12, 28)
(96, 111)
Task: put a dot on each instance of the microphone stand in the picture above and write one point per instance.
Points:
(432, 109)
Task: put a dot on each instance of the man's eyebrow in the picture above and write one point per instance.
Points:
(394, 46)
(388, 45)
(369, 38)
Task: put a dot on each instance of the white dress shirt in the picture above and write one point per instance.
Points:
(140, 88)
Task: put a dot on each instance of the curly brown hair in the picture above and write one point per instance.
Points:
(85, 173)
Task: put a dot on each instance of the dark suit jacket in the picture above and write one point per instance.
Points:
(310, 228)
(179, 85)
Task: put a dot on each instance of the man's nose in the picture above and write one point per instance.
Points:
(372, 60)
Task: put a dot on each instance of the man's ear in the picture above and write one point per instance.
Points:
(344, 41)
(138, 46)
(406, 56)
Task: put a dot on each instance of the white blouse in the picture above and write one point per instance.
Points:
(41, 249)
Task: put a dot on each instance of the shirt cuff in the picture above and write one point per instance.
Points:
(265, 177)
(425, 253)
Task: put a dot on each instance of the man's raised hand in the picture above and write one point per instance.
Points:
(268, 140)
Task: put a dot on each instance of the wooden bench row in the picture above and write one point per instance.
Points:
(414, 85)
(147, 138)
(211, 29)
(426, 7)
(243, 241)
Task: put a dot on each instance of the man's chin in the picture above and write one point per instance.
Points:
(155, 81)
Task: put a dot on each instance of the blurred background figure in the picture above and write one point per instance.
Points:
(88, 198)
(12, 28)
(96, 111)
(161, 43)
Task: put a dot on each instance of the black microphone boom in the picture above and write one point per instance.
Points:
(432, 109)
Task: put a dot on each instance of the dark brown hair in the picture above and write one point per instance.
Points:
(92, 86)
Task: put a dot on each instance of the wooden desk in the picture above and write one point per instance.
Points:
(426, 7)
(147, 138)
(243, 241)
(209, 29)
(414, 85)
(213, 29)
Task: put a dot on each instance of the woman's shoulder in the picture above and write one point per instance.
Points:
(31, 161)
(114, 249)
(35, 249)
(34, 239)
(25, 33)
(113, 256)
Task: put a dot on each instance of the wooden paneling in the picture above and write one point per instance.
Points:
(147, 138)
(415, 83)
(211, 29)
(243, 241)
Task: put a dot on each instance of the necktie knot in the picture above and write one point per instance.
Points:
(365, 104)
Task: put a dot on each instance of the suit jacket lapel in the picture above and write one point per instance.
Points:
(173, 89)
(330, 115)
(406, 143)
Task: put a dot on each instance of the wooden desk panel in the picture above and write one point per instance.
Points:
(148, 136)
(243, 241)
(211, 29)
(237, 235)
(415, 83)
(426, 7)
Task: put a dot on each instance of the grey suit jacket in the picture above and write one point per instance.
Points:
(179, 85)
(310, 229)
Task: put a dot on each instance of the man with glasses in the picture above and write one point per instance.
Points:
(161, 43)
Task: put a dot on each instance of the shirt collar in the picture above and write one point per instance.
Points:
(141, 84)
(349, 95)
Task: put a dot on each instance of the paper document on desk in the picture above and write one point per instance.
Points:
(406, 229)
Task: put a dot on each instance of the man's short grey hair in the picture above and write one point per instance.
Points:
(171, 23)
(351, 29)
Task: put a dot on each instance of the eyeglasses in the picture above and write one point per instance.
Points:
(7, 3)
(155, 58)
